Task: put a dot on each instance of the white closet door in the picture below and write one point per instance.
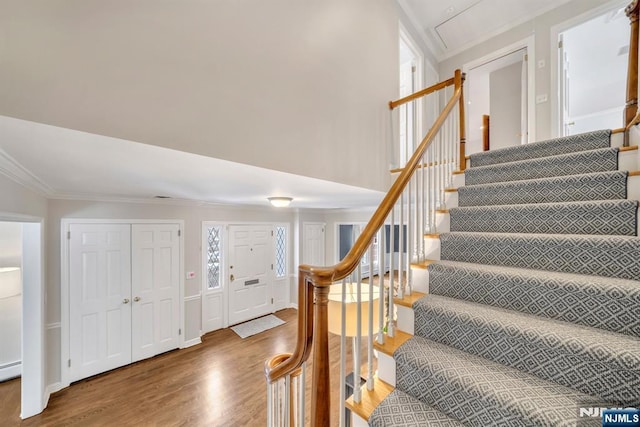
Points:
(155, 289)
(100, 299)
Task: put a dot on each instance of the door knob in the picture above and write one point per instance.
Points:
(125, 301)
(136, 299)
(231, 278)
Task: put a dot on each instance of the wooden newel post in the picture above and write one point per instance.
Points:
(459, 83)
(321, 386)
(631, 107)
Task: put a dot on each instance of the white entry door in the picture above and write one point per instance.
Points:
(99, 298)
(155, 289)
(250, 272)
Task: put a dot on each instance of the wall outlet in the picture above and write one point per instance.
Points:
(541, 98)
(191, 275)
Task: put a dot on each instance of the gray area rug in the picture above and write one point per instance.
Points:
(256, 326)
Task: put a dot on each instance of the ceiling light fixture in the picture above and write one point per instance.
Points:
(280, 202)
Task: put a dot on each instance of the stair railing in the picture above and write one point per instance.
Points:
(631, 117)
(411, 205)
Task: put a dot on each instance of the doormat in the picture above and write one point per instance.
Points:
(256, 326)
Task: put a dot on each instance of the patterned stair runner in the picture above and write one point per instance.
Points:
(534, 309)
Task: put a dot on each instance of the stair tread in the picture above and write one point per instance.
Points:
(589, 186)
(408, 300)
(543, 293)
(585, 342)
(391, 344)
(551, 147)
(610, 256)
(602, 217)
(370, 398)
(422, 264)
(452, 381)
(598, 160)
(403, 410)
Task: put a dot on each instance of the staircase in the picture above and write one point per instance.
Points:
(531, 303)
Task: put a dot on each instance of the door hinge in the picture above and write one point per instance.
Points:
(560, 44)
(179, 233)
(69, 363)
(271, 233)
(526, 57)
(413, 68)
(272, 266)
(68, 235)
(180, 331)
(271, 300)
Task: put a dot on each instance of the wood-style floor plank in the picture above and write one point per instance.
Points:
(217, 383)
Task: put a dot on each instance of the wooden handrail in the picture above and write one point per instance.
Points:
(421, 93)
(631, 107)
(312, 314)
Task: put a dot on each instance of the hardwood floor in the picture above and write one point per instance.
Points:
(218, 383)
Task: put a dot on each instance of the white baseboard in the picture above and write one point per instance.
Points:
(10, 372)
(192, 342)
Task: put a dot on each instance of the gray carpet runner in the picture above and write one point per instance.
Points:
(402, 410)
(609, 256)
(534, 308)
(481, 392)
(598, 302)
(601, 160)
(594, 362)
(552, 147)
(574, 188)
(608, 217)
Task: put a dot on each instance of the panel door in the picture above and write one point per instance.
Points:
(250, 274)
(99, 298)
(313, 244)
(155, 289)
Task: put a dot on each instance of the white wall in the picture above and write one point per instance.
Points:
(540, 28)
(301, 87)
(505, 99)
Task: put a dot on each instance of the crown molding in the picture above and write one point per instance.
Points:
(13, 170)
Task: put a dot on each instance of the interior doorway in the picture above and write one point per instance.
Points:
(22, 238)
(592, 72)
(410, 114)
(500, 86)
(10, 300)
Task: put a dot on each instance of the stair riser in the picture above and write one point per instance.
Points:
(405, 319)
(612, 384)
(599, 256)
(545, 297)
(444, 225)
(447, 398)
(627, 161)
(607, 186)
(601, 218)
(387, 368)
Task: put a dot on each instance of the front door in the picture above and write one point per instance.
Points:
(99, 298)
(250, 272)
(155, 289)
